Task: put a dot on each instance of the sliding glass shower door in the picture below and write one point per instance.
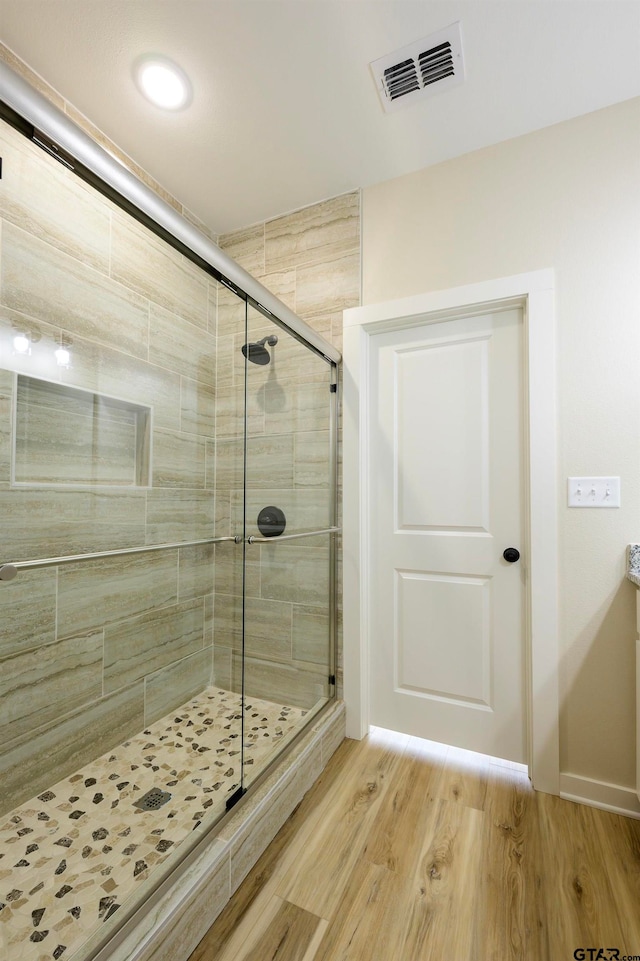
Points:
(273, 608)
(167, 555)
(288, 507)
(119, 740)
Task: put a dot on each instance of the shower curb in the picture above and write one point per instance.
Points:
(173, 924)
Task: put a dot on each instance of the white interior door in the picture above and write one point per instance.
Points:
(445, 474)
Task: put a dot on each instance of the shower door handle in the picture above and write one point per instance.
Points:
(9, 571)
(256, 539)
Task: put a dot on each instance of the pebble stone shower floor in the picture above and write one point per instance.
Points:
(73, 854)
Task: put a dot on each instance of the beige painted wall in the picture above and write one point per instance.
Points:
(566, 197)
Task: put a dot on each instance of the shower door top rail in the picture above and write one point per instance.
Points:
(9, 571)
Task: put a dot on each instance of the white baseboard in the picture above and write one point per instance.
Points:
(600, 794)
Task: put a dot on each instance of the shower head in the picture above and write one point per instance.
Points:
(258, 353)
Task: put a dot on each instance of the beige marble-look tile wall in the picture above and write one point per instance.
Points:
(311, 260)
(79, 473)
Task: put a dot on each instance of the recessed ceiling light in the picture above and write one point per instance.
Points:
(162, 82)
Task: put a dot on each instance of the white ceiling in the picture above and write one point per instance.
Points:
(285, 111)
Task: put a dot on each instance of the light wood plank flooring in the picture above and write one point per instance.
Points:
(404, 850)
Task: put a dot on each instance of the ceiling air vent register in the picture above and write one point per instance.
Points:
(420, 69)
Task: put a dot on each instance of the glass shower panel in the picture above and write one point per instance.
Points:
(287, 624)
(166, 624)
(120, 727)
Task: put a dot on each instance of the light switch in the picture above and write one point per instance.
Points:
(593, 491)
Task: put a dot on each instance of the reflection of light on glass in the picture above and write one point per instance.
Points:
(63, 357)
(62, 353)
(21, 344)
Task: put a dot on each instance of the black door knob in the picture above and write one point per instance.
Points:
(511, 554)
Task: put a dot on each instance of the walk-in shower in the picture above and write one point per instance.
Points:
(158, 651)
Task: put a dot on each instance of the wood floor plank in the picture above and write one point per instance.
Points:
(389, 859)
(337, 840)
(369, 924)
(282, 932)
(286, 937)
(441, 917)
(394, 838)
(514, 927)
(619, 841)
(579, 904)
(464, 779)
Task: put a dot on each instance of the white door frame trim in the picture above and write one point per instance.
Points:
(535, 293)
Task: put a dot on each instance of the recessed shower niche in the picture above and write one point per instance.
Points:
(65, 435)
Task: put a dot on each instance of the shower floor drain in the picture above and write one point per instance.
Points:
(152, 800)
